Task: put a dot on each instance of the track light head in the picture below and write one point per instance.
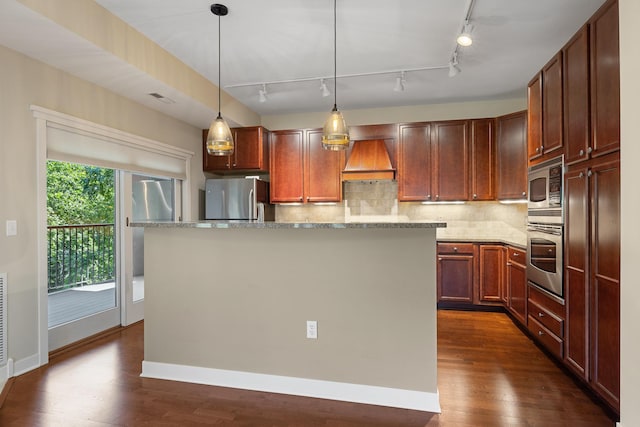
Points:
(324, 89)
(464, 39)
(400, 82)
(262, 94)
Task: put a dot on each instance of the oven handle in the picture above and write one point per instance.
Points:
(556, 231)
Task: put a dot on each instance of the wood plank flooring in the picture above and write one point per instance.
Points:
(489, 374)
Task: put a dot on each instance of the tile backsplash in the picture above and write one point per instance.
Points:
(367, 201)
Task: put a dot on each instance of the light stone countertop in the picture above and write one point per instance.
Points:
(289, 225)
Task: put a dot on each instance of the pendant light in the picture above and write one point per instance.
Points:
(335, 135)
(219, 138)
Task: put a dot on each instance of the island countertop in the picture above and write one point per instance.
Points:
(289, 225)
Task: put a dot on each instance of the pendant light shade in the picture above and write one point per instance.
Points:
(335, 134)
(219, 138)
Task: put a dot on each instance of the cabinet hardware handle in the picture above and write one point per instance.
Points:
(428, 196)
(516, 254)
(581, 153)
(437, 196)
(550, 251)
(589, 173)
(589, 150)
(537, 149)
(540, 333)
(234, 165)
(540, 314)
(455, 249)
(524, 193)
(542, 148)
(581, 174)
(475, 196)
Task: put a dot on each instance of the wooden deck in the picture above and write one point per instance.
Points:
(68, 305)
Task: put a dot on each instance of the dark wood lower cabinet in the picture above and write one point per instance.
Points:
(455, 272)
(517, 280)
(491, 274)
(592, 274)
(545, 320)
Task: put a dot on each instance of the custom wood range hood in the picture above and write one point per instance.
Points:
(369, 159)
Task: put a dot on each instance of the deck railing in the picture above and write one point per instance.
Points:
(80, 255)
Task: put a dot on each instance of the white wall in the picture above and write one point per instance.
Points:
(630, 158)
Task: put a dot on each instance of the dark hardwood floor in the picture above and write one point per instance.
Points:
(489, 374)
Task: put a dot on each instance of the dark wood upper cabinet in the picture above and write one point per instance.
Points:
(534, 118)
(605, 79)
(322, 180)
(414, 162)
(287, 166)
(250, 153)
(512, 156)
(483, 159)
(577, 135)
(450, 145)
(552, 107)
(301, 170)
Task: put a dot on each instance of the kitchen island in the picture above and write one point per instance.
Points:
(227, 304)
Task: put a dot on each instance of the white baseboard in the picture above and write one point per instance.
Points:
(25, 365)
(357, 393)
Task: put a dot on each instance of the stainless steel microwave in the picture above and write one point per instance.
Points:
(545, 192)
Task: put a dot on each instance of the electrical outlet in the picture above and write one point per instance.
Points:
(312, 329)
(12, 227)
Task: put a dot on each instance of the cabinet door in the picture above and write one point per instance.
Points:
(516, 276)
(605, 80)
(455, 278)
(576, 256)
(450, 147)
(605, 277)
(213, 163)
(576, 97)
(512, 156)
(322, 172)
(491, 269)
(534, 118)
(552, 107)
(286, 166)
(483, 159)
(414, 162)
(249, 146)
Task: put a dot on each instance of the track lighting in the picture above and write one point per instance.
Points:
(262, 93)
(324, 89)
(453, 65)
(400, 82)
(464, 39)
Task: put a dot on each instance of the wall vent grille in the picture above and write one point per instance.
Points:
(3, 319)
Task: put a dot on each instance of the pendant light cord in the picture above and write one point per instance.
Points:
(335, 59)
(219, 56)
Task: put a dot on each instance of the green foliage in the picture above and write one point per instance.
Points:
(79, 194)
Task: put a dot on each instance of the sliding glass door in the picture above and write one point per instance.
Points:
(146, 198)
(82, 240)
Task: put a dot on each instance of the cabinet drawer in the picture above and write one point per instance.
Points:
(547, 338)
(455, 248)
(552, 322)
(516, 255)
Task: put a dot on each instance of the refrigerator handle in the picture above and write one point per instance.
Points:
(252, 208)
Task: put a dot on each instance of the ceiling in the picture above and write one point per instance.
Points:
(288, 45)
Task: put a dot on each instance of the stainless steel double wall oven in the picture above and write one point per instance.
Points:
(545, 225)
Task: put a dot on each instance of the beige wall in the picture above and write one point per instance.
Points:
(630, 158)
(239, 299)
(25, 82)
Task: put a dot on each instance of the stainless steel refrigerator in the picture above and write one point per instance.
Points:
(237, 199)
